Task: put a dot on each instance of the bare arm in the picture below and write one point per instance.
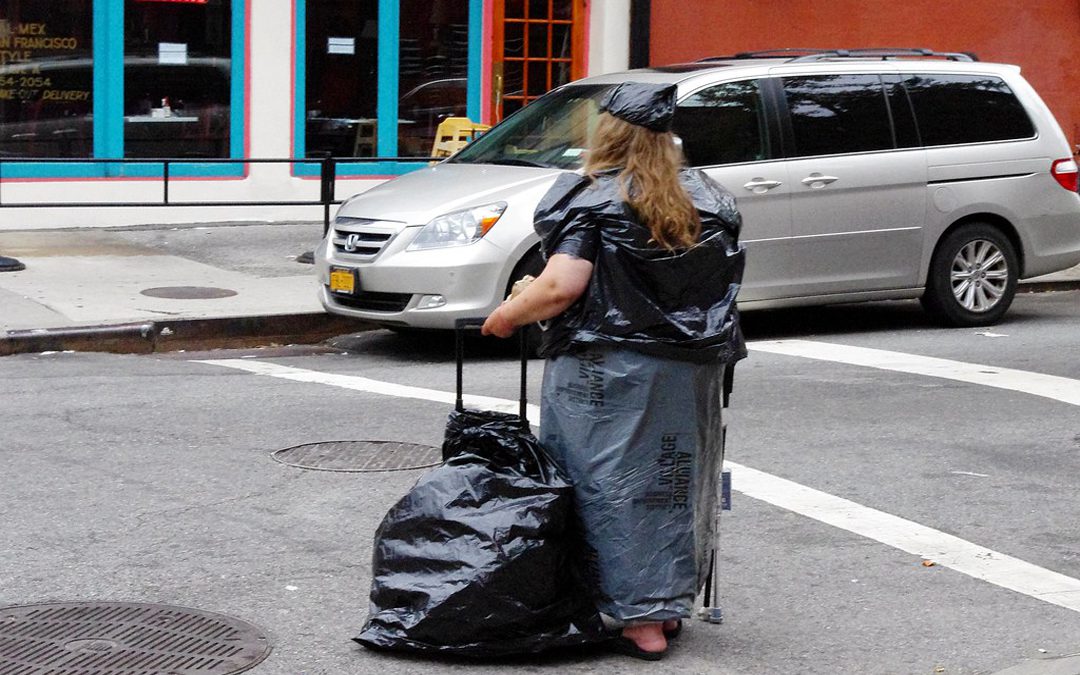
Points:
(562, 282)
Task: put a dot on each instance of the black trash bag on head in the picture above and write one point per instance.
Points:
(476, 559)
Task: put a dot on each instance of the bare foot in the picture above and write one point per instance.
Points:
(647, 636)
(670, 625)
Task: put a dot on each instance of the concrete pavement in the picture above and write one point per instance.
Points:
(184, 507)
(167, 287)
(158, 288)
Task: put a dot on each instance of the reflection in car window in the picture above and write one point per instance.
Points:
(724, 124)
(834, 114)
(966, 109)
(553, 131)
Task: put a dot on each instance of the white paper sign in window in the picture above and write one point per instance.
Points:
(340, 45)
(172, 53)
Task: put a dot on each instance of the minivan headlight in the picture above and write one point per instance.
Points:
(458, 228)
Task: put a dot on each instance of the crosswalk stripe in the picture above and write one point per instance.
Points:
(930, 544)
(358, 383)
(1061, 389)
(941, 548)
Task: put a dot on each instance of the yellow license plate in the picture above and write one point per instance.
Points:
(343, 280)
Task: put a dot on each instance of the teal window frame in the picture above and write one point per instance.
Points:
(108, 107)
(386, 107)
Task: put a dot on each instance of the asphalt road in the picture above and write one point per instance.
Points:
(148, 479)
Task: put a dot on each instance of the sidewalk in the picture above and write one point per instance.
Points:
(158, 288)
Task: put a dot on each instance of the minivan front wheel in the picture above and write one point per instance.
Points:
(973, 277)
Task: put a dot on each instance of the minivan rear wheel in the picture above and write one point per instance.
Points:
(973, 277)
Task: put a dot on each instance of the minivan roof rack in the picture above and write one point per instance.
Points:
(883, 53)
(765, 54)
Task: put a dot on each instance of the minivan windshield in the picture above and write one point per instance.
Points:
(552, 131)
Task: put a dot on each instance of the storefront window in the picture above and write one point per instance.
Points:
(46, 78)
(177, 78)
(342, 78)
(375, 78)
(432, 70)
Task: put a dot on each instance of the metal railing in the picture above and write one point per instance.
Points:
(327, 180)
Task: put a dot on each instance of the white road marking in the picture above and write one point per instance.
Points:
(941, 548)
(1061, 389)
(357, 383)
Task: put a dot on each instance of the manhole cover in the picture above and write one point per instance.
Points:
(360, 456)
(110, 638)
(188, 292)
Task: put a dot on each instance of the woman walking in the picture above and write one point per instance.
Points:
(643, 266)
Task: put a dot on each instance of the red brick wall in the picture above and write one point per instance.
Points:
(1041, 36)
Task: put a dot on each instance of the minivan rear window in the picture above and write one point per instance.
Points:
(833, 114)
(953, 109)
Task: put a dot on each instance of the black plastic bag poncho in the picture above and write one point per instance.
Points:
(673, 304)
(475, 559)
(641, 439)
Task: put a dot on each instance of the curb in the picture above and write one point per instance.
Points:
(240, 332)
(189, 334)
(1048, 286)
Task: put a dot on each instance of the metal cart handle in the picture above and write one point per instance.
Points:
(462, 325)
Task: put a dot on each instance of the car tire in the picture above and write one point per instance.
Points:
(973, 277)
(532, 263)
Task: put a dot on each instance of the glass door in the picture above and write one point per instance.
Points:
(538, 45)
(177, 79)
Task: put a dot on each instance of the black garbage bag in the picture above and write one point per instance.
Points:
(476, 559)
(675, 304)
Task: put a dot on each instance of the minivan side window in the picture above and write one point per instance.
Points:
(723, 124)
(903, 117)
(834, 114)
(953, 109)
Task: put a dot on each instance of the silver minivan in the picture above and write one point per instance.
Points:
(860, 175)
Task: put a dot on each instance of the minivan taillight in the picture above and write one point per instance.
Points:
(1066, 173)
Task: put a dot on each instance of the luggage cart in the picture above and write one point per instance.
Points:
(710, 611)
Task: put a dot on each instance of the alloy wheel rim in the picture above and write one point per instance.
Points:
(979, 275)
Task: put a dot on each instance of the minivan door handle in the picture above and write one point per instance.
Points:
(818, 181)
(760, 186)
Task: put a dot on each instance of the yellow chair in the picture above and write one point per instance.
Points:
(364, 142)
(454, 133)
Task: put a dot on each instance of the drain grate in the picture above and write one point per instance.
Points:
(360, 456)
(188, 292)
(114, 638)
